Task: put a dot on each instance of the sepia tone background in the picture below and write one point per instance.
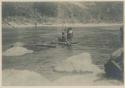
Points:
(20, 17)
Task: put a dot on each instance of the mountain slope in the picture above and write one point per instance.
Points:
(60, 12)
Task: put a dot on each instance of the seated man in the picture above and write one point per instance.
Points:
(63, 37)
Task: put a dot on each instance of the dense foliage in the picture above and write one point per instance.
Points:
(71, 12)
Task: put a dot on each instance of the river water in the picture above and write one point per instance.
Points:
(99, 42)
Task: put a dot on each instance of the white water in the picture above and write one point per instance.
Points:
(17, 50)
(22, 77)
(86, 80)
(78, 63)
(82, 63)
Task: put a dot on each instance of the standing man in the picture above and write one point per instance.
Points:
(69, 36)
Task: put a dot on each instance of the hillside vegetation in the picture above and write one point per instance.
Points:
(62, 12)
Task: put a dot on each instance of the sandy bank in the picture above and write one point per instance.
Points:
(13, 25)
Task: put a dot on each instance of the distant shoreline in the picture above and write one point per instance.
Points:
(60, 25)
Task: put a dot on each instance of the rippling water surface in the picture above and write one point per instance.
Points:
(100, 42)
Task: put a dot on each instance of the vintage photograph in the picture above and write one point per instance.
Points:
(62, 43)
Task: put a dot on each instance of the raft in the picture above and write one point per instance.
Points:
(44, 45)
(41, 45)
(66, 42)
